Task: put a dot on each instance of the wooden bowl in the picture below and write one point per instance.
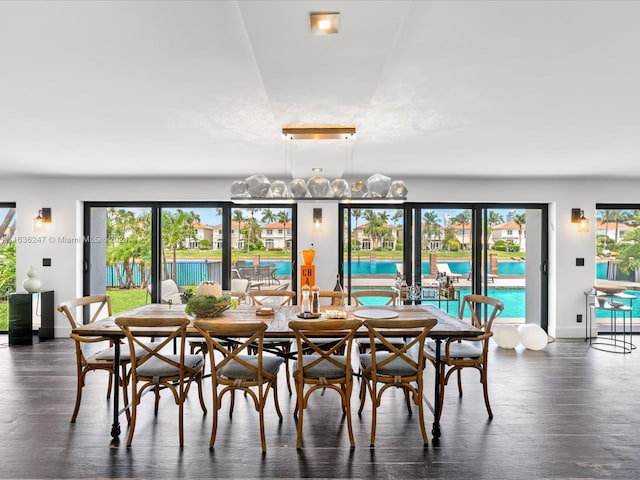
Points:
(609, 289)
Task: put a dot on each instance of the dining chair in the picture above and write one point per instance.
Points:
(320, 368)
(157, 369)
(394, 366)
(239, 290)
(234, 369)
(336, 298)
(371, 298)
(275, 298)
(99, 306)
(469, 352)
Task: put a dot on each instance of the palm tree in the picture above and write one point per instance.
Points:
(463, 218)
(430, 227)
(238, 217)
(268, 216)
(520, 219)
(495, 218)
(176, 228)
(283, 218)
(356, 213)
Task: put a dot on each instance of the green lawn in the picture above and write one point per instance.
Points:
(122, 299)
(4, 316)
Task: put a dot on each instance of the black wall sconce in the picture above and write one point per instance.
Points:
(577, 216)
(317, 219)
(44, 217)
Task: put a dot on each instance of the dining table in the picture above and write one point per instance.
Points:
(448, 326)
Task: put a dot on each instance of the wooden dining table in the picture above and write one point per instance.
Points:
(448, 326)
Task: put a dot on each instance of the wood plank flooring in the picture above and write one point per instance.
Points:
(567, 411)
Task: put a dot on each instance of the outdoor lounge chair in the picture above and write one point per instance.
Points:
(445, 271)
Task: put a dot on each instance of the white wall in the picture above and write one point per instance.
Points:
(65, 196)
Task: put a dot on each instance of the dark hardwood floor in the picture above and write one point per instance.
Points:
(567, 411)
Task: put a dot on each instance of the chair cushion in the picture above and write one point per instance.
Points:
(465, 349)
(397, 367)
(235, 370)
(155, 367)
(125, 353)
(324, 369)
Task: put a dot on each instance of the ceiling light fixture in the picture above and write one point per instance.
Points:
(324, 23)
(318, 132)
(376, 187)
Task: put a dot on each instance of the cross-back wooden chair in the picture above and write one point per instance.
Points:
(320, 366)
(99, 306)
(469, 352)
(393, 365)
(275, 298)
(156, 368)
(234, 369)
(337, 298)
(360, 297)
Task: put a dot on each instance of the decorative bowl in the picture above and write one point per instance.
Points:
(207, 306)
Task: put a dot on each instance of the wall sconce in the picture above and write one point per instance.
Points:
(44, 217)
(577, 216)
(317, 219)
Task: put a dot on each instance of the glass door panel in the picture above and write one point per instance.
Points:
(262, 246)
(118, 255)
(373, 249)
(7, 260)
(446, 243)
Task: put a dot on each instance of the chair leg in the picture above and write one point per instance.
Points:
(156, 391)
(199, 384)
(300, 408)
(423, 428)
(79, 386)
(407, 399)
(347, 409)
(125, 394)
(363, 392)
(214, 424)
(134, 410)
(263, 440)
(486, 393)
(109, 385)
(459, 375)
(374, 416)
(275, 397)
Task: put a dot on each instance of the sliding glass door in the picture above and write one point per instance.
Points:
(373, 248)
(158, 251)
(494, 250)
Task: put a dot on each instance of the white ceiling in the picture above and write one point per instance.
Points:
(434, 88)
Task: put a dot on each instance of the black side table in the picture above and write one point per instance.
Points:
(23, 309)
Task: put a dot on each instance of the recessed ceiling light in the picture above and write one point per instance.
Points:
(324, 23)
(316, 169)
